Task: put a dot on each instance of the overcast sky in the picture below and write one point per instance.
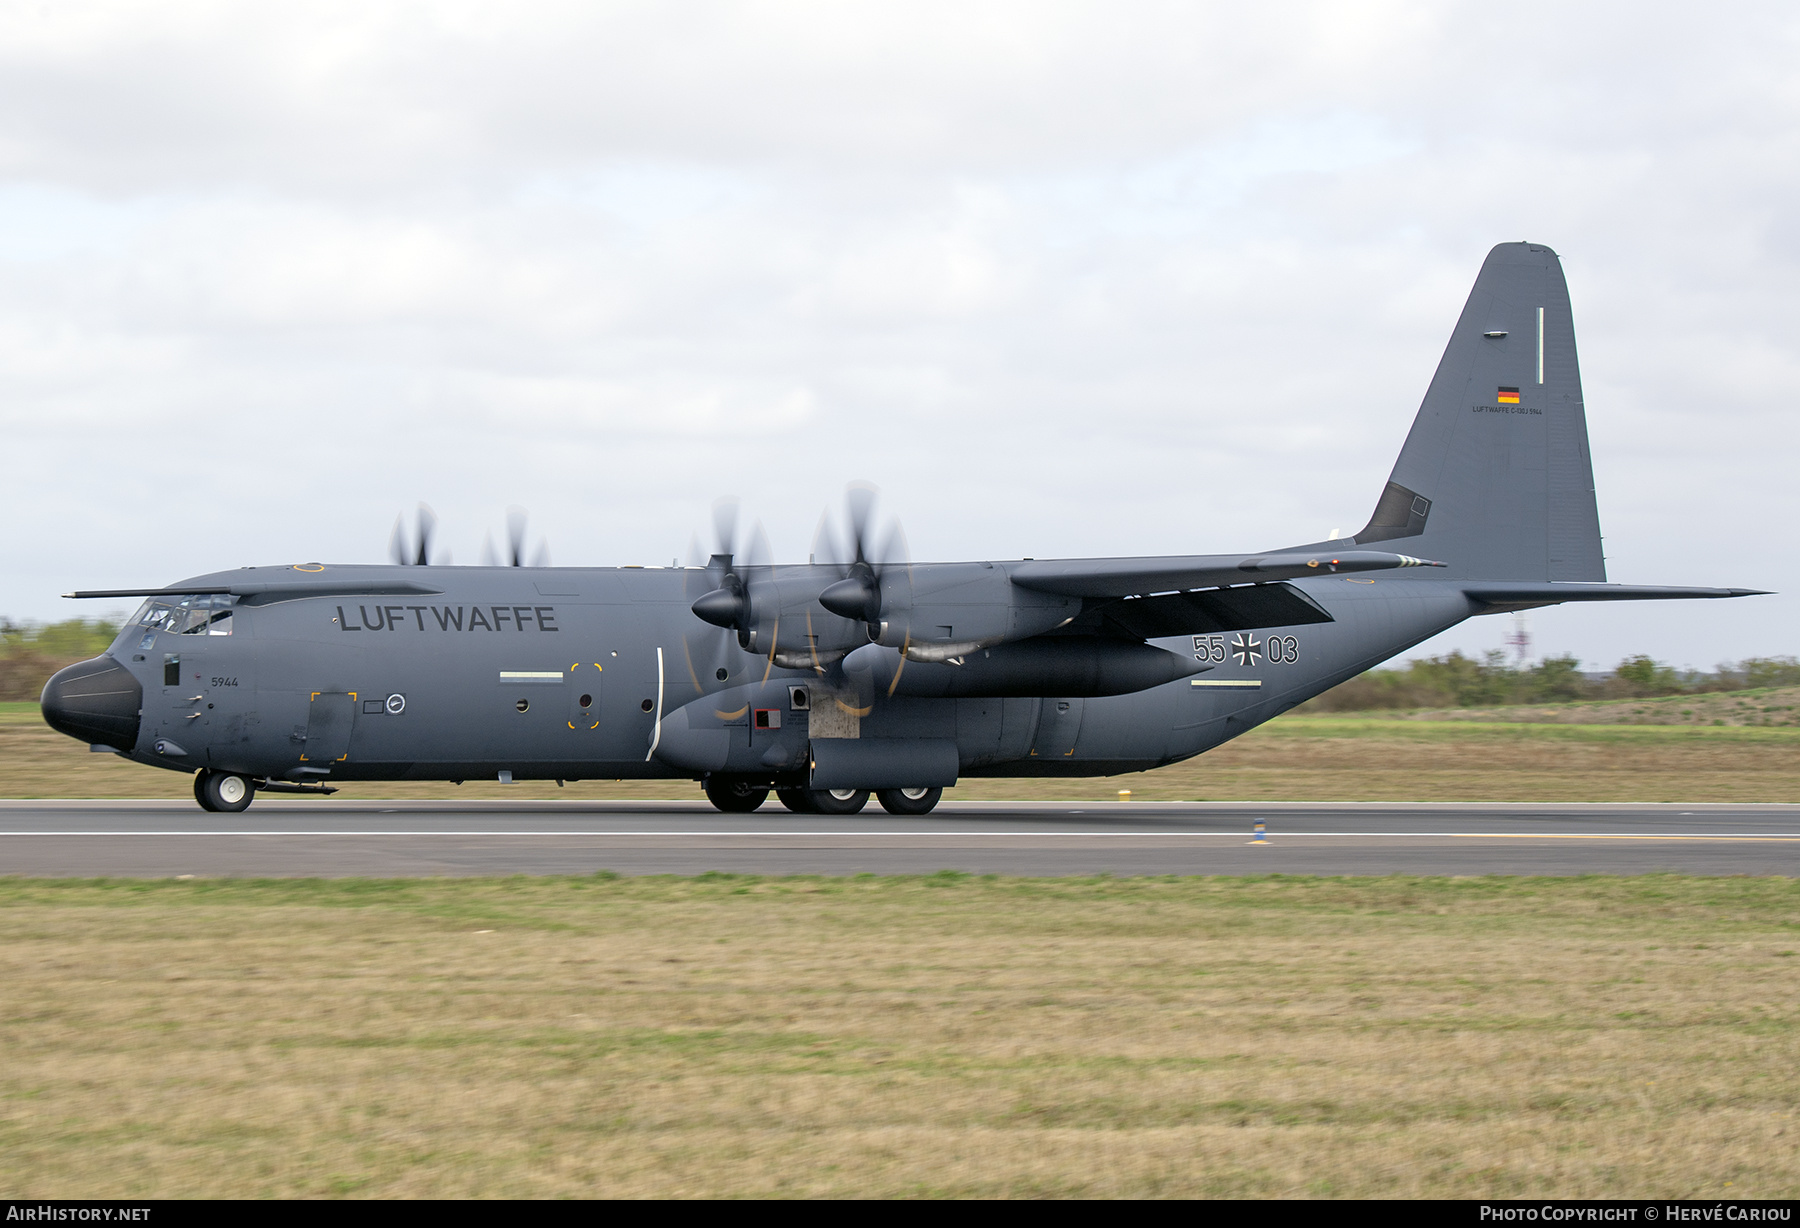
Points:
(1061, 279)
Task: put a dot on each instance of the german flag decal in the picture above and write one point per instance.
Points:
(1508, 396)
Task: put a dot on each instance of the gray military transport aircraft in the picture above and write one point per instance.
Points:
(827, 681)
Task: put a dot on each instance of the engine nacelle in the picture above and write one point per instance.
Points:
(956, 608)
(930, 611)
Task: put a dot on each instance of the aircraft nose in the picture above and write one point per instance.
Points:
(97, 701)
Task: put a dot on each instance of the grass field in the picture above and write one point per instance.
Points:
(1555, 753)
(1626, 1037)
(1767, 707)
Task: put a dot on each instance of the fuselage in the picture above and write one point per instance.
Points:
(606, 673)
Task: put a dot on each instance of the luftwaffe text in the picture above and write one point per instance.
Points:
(449, 618)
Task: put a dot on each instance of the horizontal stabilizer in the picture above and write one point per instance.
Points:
(1500, 595)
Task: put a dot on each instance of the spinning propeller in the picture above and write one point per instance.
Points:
(777, 613)
(405, 555)
(726, 603)
(723, 583)
(858, 596)
(515, 544)
(417, 551)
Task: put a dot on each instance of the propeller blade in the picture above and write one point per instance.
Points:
(515, 536)
(862, 562)
(859, 505)
(725, 603)
(427, 526)
(725, 525)
(757, 553)
(397, 544)
(893, 551)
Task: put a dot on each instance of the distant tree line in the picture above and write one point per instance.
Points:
(1456, 681)
(31, 652)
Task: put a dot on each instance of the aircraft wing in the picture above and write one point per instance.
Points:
(1245, 608)
(1143, 577)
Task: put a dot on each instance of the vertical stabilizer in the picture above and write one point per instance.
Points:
(1495, 478)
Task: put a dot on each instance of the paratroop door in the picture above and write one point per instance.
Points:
(1059, 725)
(328, 723)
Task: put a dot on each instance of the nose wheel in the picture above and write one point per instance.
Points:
(225, 792)
(735, 795)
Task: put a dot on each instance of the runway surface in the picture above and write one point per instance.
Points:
(314, 838)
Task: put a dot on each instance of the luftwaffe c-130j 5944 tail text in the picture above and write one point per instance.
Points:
(827, 681)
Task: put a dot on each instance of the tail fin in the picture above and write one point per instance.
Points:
(1495, 477)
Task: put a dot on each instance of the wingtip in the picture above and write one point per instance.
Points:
(1748, 592)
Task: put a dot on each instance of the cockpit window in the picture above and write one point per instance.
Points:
(152, 614)
(202, 615)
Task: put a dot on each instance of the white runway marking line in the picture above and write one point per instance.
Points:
(1274, 838)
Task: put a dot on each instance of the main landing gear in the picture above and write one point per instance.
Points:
(823, 801)
(908, 801)
(223, 791)
(741, 795)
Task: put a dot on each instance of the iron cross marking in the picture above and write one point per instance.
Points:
(1246, 648)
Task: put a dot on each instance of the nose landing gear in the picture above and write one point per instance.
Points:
(228, 792)
(734, 794)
